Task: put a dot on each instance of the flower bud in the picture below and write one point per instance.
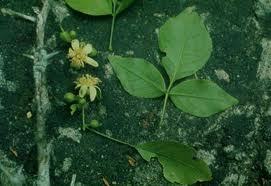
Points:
(65, 36)
(69, 97)
(81, 101)
(93, 52)
(73, 34)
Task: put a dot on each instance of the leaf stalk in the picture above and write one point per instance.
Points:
(114, 15)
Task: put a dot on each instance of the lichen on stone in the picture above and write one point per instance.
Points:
(71, 133)
(267, 161)
(264, 68)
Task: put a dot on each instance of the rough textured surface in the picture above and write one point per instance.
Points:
(235, 143)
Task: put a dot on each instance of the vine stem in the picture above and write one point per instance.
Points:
(102, 134)
(111, 138)
(112, 26)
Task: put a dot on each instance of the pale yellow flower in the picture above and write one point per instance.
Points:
(88, 86)
(78, 54)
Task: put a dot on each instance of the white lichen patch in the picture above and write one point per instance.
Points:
(108, 71)
(263, 7)
(264, 68)
(159, 15)
(10, 172)
(234, 179)
(267, 161)
(208, 157)
(5, 84)
(67, 163)
(229, 149)
(51, 42)
(130, 53)
(268, 112)
(222, 75)
(71, 133)
(60, 10)
(239, 110)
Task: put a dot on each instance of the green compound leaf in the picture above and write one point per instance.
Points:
(187, 44)
(138, 77)
(92, 7)
(201, 98)
(179, 161)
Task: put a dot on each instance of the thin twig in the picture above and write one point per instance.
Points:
(7, 11)
(51, 55)
(73, 180)
(42, 103)
(41, 98)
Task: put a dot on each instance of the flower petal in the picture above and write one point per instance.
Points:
(92, 93)
(75, 44)
(71, 53)
(91, 62)
(87, 49)
(99, 91)
(83, 91)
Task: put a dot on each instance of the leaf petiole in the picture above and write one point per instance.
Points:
(165, 103)
(114, 15)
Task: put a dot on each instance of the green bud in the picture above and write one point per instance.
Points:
(69, 97)
(65, 36)
(95, 124)
(81, 101)
(93, 52)
(73, 34)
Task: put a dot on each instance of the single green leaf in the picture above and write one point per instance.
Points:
(201, 98)
(92, 7)
(123, 4)
(187, 44)
(179, 161)
(138, 77)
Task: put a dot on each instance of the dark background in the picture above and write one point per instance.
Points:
(234, 143)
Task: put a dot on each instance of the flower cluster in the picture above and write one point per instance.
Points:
(88, 85)
(78, 54)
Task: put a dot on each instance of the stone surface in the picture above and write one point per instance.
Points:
(235, 143)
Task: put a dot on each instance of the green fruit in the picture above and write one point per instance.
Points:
(69, 97)
(93, 52)
(73, 34)
(95, 124)
(65, 36)
(82, 101)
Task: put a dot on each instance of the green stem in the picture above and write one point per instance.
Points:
(61, 28)
(83, 117)
(165, 104)
(112, 26)
(164, 109)
(102, 134)
(110, 138)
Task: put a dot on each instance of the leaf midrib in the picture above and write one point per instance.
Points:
(173, 159)
(181, 54)
(198, 97)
